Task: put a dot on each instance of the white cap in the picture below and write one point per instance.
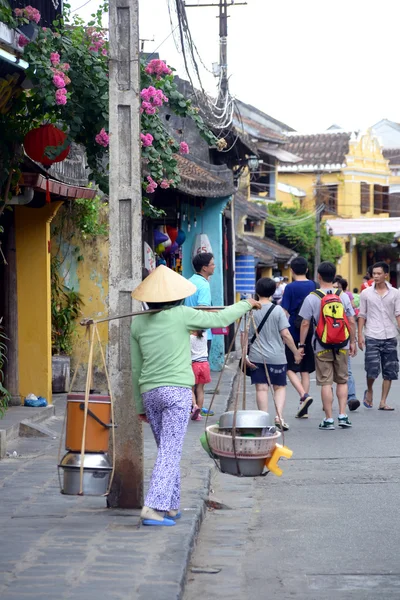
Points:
(277, 279)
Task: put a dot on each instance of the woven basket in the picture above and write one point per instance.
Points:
(246, 447)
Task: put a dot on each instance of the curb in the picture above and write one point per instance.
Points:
(38, 415)
(201, 510)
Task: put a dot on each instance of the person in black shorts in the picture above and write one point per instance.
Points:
(292, 300)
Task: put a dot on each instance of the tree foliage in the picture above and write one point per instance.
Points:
(295, 227)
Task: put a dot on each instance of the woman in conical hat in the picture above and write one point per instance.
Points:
(163, 378)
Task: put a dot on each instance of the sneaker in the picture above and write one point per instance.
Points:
(344, 422)
(327, 424)
(282, 425)
(353, 404)
(207, 411)
(305, 403)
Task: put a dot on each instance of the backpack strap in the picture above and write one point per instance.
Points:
(261, 325)
(319, 293)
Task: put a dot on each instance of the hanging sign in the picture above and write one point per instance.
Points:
(149, 258)
(201, 244)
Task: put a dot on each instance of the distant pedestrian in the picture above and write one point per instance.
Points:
(367, 279)
(334, 336)
(379, 312)
(201, 370)
(278, 294)
(204, 267)
(356, 298)
(292, 301)
(268, 350)
(163, 378)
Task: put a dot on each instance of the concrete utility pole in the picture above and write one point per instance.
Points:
(125, 243)
(318, 213)
(223, 39)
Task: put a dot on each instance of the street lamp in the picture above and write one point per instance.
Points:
(253, 162)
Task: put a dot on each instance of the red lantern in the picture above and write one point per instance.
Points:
(172, 232)
(37, 140)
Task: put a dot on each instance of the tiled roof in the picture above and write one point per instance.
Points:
(317, 150)
(268, 251)
(251, 209)
(392, 155)
(203, 179)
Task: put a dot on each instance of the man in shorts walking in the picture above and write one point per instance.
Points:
(379, 311)
(292, 301)
(330, 364)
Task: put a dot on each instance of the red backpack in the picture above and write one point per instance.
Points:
(333, 328)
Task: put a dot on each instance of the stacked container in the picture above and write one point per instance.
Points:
(96, 468)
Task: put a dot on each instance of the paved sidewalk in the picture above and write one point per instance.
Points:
(55, 546)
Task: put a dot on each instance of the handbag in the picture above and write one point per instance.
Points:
(261, 325)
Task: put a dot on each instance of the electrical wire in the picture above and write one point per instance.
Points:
(79, 7)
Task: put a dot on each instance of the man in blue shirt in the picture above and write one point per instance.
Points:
(292, 300)
(204, 267)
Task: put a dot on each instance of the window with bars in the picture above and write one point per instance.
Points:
(365, 197)
(381, 199)
(328, 195)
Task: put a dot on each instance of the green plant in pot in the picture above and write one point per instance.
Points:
(65, 309)
(4, 393)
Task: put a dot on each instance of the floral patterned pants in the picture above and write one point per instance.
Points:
(168, 411)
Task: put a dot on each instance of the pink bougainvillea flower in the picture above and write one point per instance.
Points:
(102, 138)
(104, 52)
(55, 59)
(65, 67)
(150, 189)
(23, 41)
(61, 96)
(158, 67)
(165, 183)
(30, 13)
(58, 81)
(146, 139)
(183, 148)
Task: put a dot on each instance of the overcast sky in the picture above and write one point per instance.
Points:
(307, 63)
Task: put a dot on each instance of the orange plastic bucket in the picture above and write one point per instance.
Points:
(98, 423)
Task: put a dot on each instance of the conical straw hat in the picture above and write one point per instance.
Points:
(163, 285)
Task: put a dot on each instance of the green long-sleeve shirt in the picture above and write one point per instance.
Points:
(160, 345)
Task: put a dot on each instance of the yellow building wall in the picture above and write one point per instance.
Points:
(33, 291)
(88, 277)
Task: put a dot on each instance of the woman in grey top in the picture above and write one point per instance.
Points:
(269, 348)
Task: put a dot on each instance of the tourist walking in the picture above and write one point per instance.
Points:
(268, 350)
(201, 370)
(292, 300)
(352, 401)
(204, 267)
(334, 340)
(163, 378)
(379, 311)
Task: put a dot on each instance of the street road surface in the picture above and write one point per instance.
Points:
(328, 529)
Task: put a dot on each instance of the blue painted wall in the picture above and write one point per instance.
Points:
(209, 221)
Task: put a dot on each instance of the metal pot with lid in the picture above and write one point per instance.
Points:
(245, 419)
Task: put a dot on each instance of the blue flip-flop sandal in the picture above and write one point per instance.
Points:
(177, 516)
(365, 402)
(166, 522)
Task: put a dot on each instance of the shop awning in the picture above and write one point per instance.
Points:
(279, 153)
(57, 188)
(344, 227)
(292, 190)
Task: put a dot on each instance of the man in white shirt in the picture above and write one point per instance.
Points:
(379, 311)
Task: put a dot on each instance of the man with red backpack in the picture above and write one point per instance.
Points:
(334, 339)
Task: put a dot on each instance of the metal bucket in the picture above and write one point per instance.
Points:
(247, 467)
(96, 474)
